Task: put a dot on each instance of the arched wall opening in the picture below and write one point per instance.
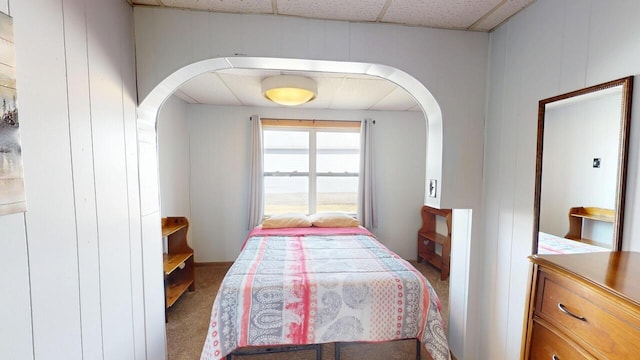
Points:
(148, 161)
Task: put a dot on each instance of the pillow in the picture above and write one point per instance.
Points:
(333, 220)
(289, 220)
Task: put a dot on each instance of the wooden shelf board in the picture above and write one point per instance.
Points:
(174, 290)
(434, 259)
(168, 229)
(435, 237)
(596, 217)
(172, 261)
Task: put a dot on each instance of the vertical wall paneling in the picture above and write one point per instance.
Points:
(337, 41)
(76, 264)
(225, 34)
(176, 34)
(261, 35)
(16, 341)
(399, 140)
(129, 118)
(80, 129)
(218, 140)
(612, 38)
(295, 32)
(106, 84)
(153, 288)
(461, 227)
(374, 43)
(505, 198)
(174, 159)
(145, 43)
(315, 40)
(549, 48)
(491, 203)
(200, 35)
(50, 219)
(575, 45)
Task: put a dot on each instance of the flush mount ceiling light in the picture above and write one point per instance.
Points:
(289, 90)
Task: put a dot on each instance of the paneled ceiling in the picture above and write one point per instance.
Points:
(336, 91)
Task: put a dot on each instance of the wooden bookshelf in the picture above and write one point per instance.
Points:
(178, 263)
(428, 238)
(578, 214)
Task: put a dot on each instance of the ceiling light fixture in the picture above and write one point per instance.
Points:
(289, 90)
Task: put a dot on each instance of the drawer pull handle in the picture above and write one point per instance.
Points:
(566, 311)
(555, 357)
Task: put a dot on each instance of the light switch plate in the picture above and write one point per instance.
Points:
(432, 187)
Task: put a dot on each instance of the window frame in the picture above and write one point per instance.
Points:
(311, 127)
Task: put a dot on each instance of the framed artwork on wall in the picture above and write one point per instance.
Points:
(12, 192)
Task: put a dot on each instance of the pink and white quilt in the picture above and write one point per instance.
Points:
(318, 285)
(551, 244)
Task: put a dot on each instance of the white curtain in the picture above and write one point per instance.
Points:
(256, 179)
(367, 211)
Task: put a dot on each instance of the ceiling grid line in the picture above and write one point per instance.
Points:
(383, 11)
(486, 15)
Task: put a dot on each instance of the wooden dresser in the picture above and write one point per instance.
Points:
(584, 306)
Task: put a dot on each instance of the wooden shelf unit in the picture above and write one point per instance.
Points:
(578, 214)
(428, 238)
(177, 278)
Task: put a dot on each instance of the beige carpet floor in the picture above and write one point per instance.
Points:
(188, 321)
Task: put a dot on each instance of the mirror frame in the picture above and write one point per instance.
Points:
(623, 150)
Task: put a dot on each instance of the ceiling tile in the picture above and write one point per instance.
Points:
(501, 14)
(458, 14)
(242, 87)
(233, 6)
(361, 93)
(209, 89)
(397, 100)
(361, 10)
(188, 99)
(247, 89)
(328, 86)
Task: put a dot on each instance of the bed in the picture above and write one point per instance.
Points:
(551, 244)
(312, 285)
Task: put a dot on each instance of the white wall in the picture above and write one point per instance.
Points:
(173, 159)
(220, 175)
(72, 268)
(452, 65)
(550, 48)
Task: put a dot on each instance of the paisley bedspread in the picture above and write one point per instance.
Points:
(331, 286)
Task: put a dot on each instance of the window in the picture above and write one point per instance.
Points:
(309, 169)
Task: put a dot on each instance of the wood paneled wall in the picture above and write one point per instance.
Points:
(549, 48)
(75, 261)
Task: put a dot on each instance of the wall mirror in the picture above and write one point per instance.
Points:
(581, 169)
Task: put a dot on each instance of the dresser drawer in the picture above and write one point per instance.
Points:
(547, 345)
(600, 326)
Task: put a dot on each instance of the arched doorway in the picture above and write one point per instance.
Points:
(147, 150)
